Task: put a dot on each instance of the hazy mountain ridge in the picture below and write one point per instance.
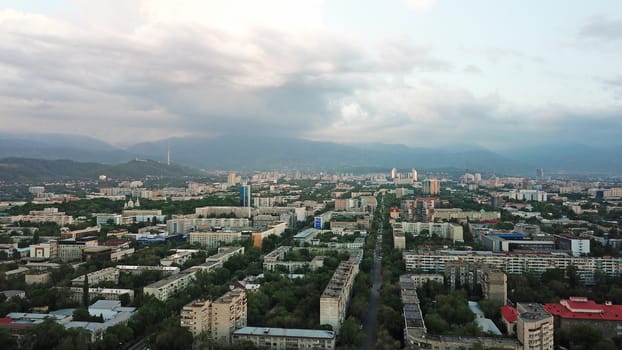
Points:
(34, 170)
(263, 153)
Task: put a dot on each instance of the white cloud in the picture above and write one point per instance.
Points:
(124, 70)
(420, 5)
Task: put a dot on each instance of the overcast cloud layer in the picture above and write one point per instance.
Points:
(417, 72)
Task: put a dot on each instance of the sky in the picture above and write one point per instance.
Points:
(499, 74)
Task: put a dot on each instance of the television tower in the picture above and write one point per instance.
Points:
(168, 155)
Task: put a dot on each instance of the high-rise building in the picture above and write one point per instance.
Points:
(431, 186)
(232, 180)
(245, 196)
(218, 318)
(414, 175)
(393, 173)
(539, 173)
(534, 327)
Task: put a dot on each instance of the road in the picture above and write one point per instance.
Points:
(371, 320)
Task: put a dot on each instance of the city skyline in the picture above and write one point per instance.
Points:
(413, 72)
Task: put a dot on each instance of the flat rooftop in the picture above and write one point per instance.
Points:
(286, 332)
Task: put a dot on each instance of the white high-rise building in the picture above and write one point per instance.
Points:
(414, 175)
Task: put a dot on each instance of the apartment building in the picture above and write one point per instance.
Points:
(218, 318)
(534, 327)
(195, 316)
(171, 285)
(444, 230)
(513, 263)
(238, 212)
(188, 223)
(224, 254)
(286, 338)
(108, 219)
(460, 215)
(96, 277)
(142, 215)
(420, 279)
(178, 258)
(335, 298)
(399, 238)
(45, 215)
(493, 282)
(431, 186)
(76, 293)
(214, 239)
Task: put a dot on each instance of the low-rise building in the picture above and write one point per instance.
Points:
(214, 239)
(37, 277)
(96, 277)
(286, 338)
(171, 285)
(76, 293)
(580, 311)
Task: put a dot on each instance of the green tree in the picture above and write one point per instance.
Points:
(46, 335)
(172, 337)
(85, 291)
(7, 340)
(350, 332)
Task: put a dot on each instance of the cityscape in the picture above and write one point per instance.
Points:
(326, 175)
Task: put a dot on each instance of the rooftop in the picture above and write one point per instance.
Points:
(532, 311)
(285, 332)
(510, 314)
(583, 308)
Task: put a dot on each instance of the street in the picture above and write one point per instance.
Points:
(369, 325)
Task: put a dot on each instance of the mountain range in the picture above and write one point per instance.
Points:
(242, 152)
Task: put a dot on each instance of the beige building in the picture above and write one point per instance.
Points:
(431, 186)
(218, 318)
(38, 277)
(460, 215)
(76, 293)
(210, 211)
(399, 239)
(188, 223)
(335, 298)
(45, 215)
(534, 327)
(214, 239)
(95, 277)
(165, 288)
(419, 279)
(444, 230)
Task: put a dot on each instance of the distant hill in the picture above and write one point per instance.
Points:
(260, 153)
(55, 146)
(35, 170)
(244, 152)
(575, 158)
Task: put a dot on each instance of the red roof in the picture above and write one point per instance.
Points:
(509, 313)
(6, 320)
(583, 308)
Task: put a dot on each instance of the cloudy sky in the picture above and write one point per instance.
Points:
(417, 72)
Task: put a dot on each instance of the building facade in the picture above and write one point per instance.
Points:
(286, 338)
(534, 327)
